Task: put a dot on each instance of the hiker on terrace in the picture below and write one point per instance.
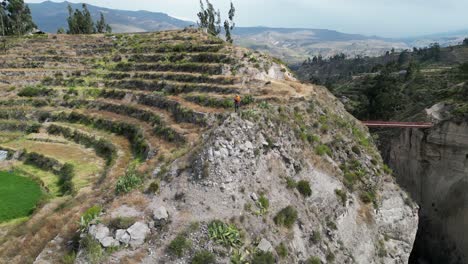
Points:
(237, 102)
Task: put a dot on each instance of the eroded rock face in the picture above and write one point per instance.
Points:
(433, 166)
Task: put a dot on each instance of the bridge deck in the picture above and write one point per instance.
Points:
(398, 124)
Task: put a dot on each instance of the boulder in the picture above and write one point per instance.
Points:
(265, 246)
(99, 231)
(109, 242)
(122, 236)
(138, 233)
(160, 216)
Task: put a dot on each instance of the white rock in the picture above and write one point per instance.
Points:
(122, 236)
(254, 196)
(99, 232)
(160, 214)
(138, 233)
(109, 242)
(265, 246)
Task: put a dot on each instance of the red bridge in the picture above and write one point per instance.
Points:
(398, 124)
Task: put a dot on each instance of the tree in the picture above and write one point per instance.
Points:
(210, 20)
(101, 26)
(465, 42)
(229, 24)
(81, 22)
(15, 18)
(61, 31)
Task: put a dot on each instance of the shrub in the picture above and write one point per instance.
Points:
(65, 182)
(368, 197)
(322, 150)
(282, 250)
(179, 246)
(88, 216)
(330, 256)
(315, 237)
(262, 257)
(387, 169)
(154, 187)
(92, 249)
(342, 195)
(286, 217)
(304, 188)
(313, 260)
(290, 183)
(263, 203)
(34, 91)
(128, 182)
(121, 222)
(69, 258)
(227, 235)
(204, 257)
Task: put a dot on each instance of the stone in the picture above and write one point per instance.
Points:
(138, 233)
(254, 196)
(99, 231)
(265, 246)
(160, 216)
(122, 236)
(109, 242)
(3, 155)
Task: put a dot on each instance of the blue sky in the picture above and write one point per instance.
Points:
(388, 18)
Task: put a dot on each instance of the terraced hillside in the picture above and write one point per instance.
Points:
(116, 128)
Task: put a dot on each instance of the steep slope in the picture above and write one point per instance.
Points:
(180, 177)
(429, 85)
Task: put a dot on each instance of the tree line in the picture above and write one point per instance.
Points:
(81, 22)
(209, 20)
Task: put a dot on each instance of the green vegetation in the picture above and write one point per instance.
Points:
(179, 246)
(263, 204)
(203, 257)
(81, 22)
(121, 222)
(89, 216)
(66, 175)
(303, 187)
(227, 235)
(18, 195)
(130, 181)
(282, 250)
(313, 260)
(322, 150)
(35, 91)
(315, 237)
(286, 217)
(15, 18)
(342, 196)
(263, 258)
(92, 249)
(210, 20)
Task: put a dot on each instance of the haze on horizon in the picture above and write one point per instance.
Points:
(386, 18)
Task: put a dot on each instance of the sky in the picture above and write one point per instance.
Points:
(386, 18)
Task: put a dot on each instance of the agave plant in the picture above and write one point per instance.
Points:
(227, 235)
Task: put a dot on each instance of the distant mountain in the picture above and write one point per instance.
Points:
(297, 44)
(49, 16)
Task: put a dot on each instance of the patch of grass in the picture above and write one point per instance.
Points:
(315, 237)
(304, 188)
(262, 257)
(286, 217)
(313, 260)
(263, 204)
(179, 246)
(69, 258)
(203, 257)
(368, 197)
(92, 249)
(128, 182)
(18, 195)
(387, 169)
(282, 250)
(322, 150)
(89, 216)
(227, 235)
(341, 195)
(290, 183)
(330, 256)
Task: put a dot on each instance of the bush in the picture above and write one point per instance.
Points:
(282, 250)
(34, 91)
(262, 257)
(263, 203)
(286, 217)
(290, 183)
(179, 246)
(227, 235)
(304, 188)
(342, 195)
(204, 257)
(368, 197)
(65, 182)
(322, 150)
(128, 182)
(154, 187)
(313, 260)
(88, 216)
(315, 237)
(121, 222)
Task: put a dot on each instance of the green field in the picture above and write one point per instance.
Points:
(18, 196)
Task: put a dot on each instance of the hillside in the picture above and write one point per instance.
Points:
(427, 84)
(134, 140)
(50, 16)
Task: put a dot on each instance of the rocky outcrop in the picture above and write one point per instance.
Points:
(432, 165)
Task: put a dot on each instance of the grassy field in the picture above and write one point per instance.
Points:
(18, 196)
